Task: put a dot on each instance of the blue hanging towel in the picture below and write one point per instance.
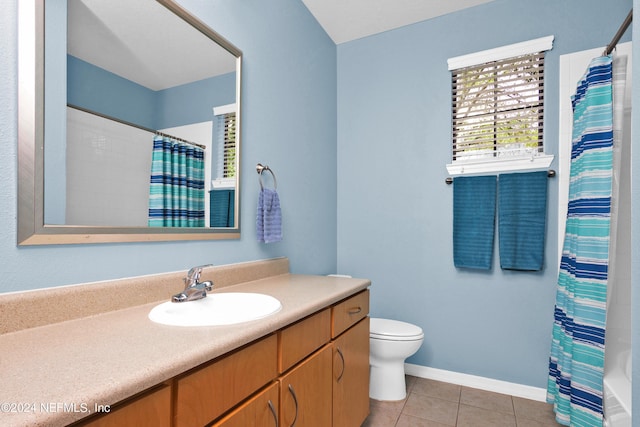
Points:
(522, 214)
(269, 217)
(474, 211)
(222, 204)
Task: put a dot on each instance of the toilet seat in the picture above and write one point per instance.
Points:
(394, 330)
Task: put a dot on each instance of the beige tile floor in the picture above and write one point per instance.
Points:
(432, 403)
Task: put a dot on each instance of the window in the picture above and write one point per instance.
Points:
(227, 123)
(498, 109)
(225, 131)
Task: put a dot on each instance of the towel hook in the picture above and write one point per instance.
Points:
(260, 168)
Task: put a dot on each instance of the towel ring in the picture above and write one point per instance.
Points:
(260, 168)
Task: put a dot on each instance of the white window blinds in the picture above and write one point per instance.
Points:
(498, 109)
(227, 145)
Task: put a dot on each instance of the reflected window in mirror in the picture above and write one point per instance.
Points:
(222, 194)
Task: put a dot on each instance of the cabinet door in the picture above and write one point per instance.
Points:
(351, 376)
(152, 409)
(305, 392)
(259, 411)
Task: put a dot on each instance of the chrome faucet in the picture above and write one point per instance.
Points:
(194, 289)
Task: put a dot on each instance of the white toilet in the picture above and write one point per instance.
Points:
(391, 342)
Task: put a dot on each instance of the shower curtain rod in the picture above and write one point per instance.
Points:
(124, 122)
(619, 34)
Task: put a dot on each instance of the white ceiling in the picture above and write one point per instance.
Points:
(142, 41)
(346, 20)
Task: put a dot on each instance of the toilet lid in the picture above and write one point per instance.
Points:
(393, 329)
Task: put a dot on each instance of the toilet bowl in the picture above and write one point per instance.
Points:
(391, 342)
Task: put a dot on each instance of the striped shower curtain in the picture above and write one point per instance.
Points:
(576, 363)
(176, 193)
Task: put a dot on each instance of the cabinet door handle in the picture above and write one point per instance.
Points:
(295, 401)
(343, 364)
(354, 310)
(273, 411)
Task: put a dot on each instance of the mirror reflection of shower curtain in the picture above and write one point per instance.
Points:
(576, 362)
(176, 191)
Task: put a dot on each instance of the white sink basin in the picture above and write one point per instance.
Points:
(226, 308)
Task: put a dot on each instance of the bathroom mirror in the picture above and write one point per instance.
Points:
(99, 96)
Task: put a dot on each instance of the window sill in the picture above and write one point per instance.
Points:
(484, 167)
(223, 183)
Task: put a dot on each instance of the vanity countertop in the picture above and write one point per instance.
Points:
(55, 374)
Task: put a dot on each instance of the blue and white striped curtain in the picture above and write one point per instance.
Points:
(576, 364)
(176, 193)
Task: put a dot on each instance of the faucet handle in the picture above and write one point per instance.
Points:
(194, 274)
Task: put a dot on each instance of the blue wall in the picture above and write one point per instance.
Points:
(101, 91)
(395, 210)
(193, 102)
(289, 112)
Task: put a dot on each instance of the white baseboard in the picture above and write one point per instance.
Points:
(488, 384)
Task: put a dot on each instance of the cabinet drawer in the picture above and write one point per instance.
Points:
(349, 312)
(153, 409)
(303, 338)
(207, 393)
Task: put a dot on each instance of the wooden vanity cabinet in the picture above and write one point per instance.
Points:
(330, 387)
(314, 372)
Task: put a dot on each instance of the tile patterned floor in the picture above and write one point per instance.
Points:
(432, 403)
